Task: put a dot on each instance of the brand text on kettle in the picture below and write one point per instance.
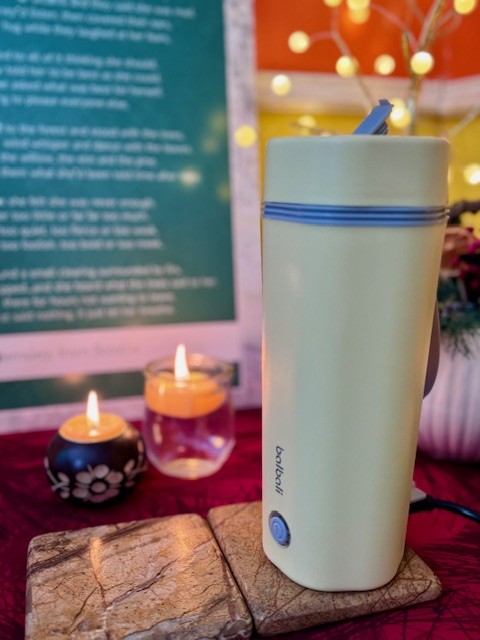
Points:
(278, 470)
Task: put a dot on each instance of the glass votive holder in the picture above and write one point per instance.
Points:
(189, 423)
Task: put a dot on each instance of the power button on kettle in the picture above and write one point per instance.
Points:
(279, 529)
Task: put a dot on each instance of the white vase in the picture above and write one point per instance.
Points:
(450, 418)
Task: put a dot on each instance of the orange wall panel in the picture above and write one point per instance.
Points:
(455, 52)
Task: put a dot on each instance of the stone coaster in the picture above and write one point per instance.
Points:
(162, 578)
(279, 605)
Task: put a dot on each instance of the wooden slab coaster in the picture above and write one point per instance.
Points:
(279, 605)
(162, 578)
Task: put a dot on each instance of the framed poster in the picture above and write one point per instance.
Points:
(129, 210)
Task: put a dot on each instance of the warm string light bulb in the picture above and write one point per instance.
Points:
(346, 66)
(307, 124)
(281, 84)
(471, 173)
(464, 7)
(190, 177)
(299, 41)
(400, 116)
(384, 64)
(332, 3)
(307, 121)
(421, 62)
(359, 16)
(245, 135)
(355, 5)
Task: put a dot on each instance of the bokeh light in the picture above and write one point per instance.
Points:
(281, 84)
(245, 135)
(384, 64)
(346, 66)
(299, 41)
(463, 7)
(400, 116)
(358, 4)
(471, 173)
(359, 16)
(421, 62)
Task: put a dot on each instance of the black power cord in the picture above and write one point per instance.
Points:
(421, 501)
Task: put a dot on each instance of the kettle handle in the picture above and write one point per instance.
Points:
(433, 354)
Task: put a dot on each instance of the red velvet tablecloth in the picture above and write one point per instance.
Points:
(448, 543)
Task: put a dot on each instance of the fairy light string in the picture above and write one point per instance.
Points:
(441, 19)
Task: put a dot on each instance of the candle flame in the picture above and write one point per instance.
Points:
(93, 415)
(181, 370)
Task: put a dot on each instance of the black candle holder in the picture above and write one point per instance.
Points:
(95, 472)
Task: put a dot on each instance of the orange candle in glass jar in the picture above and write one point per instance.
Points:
(183, 393)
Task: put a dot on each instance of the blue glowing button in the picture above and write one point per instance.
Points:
(279, 529)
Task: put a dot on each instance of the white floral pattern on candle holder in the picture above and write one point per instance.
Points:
(98, 483)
